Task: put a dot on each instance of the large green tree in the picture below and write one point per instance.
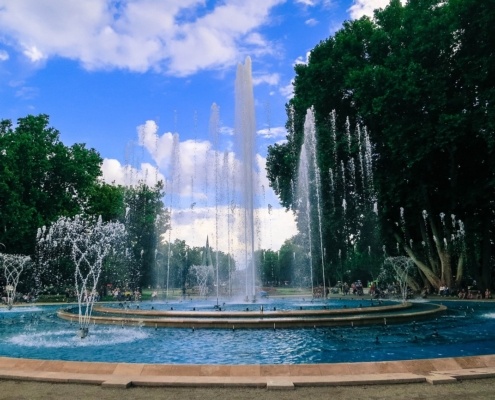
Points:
(40, 180)
(417, 76)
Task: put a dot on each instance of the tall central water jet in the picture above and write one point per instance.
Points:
(245, 130)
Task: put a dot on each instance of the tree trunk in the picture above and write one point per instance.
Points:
(443, 255)
(428, 273)
(445, 261)
(460, 270)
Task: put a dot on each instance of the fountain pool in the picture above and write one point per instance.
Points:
(465, 329)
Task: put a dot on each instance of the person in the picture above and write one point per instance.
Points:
(488, 294)
(346, 289)
(154, 295)
(359, 288)
(372, 288)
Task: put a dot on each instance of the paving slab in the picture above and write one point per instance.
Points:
(117, 382)
(440, 379)
(364, 379)
(472, 373)
(279, 384)
(273, 377)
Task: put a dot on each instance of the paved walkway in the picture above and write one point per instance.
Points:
(280, 377)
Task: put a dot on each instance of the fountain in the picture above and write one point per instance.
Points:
(245, 130)
(13, 265)
(87, 243)
(286, 331)
(401, 267)
(467, 328)
(202, 272)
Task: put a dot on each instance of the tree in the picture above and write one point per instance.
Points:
(417, 78)
(268, 267)
(146, 220)
(107, 201)
(40, 180)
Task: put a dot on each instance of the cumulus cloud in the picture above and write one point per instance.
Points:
(314, 3)
(115, 173)
(288, 90)
(366, 7)
(179, 37)
(309, 3)
(301, 60)
(202, 186)
(272, 133)
(4, 56)
(269, 79)
(311, 22)
(197, 223)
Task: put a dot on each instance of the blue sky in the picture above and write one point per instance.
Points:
(105, 70)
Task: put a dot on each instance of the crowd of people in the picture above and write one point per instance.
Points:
(126, 294)
(471, 292)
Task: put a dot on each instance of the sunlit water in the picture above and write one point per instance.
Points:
(466, 329)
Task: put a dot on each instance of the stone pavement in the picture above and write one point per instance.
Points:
(275, 377)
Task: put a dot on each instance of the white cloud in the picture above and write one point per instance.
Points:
(226, 130)
(201, 186)
(288, 91)
(196, 223)
(27, 93)
(311, 22)
(270, 79)
(301, 60)
(272, 133)
(159, 147)
(113, 172)
(179, 37)
(366, 7)
(4, 56)
(34, 54)
(314, 3)
(309, 3)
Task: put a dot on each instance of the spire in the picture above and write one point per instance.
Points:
(206, 259)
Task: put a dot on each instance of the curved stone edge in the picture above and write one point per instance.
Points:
(251, 313)
(257, 323)
(276, 377)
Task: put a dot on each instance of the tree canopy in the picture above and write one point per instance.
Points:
(40, 180)
(416, 80)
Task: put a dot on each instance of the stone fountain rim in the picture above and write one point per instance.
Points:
(260, 321)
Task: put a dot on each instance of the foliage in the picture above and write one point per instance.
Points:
(146, 220)
(74, 251)
(175, 267)
(40, 179)
(289, 266)
(417, 76)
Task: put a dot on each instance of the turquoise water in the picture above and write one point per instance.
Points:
(467, 328)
